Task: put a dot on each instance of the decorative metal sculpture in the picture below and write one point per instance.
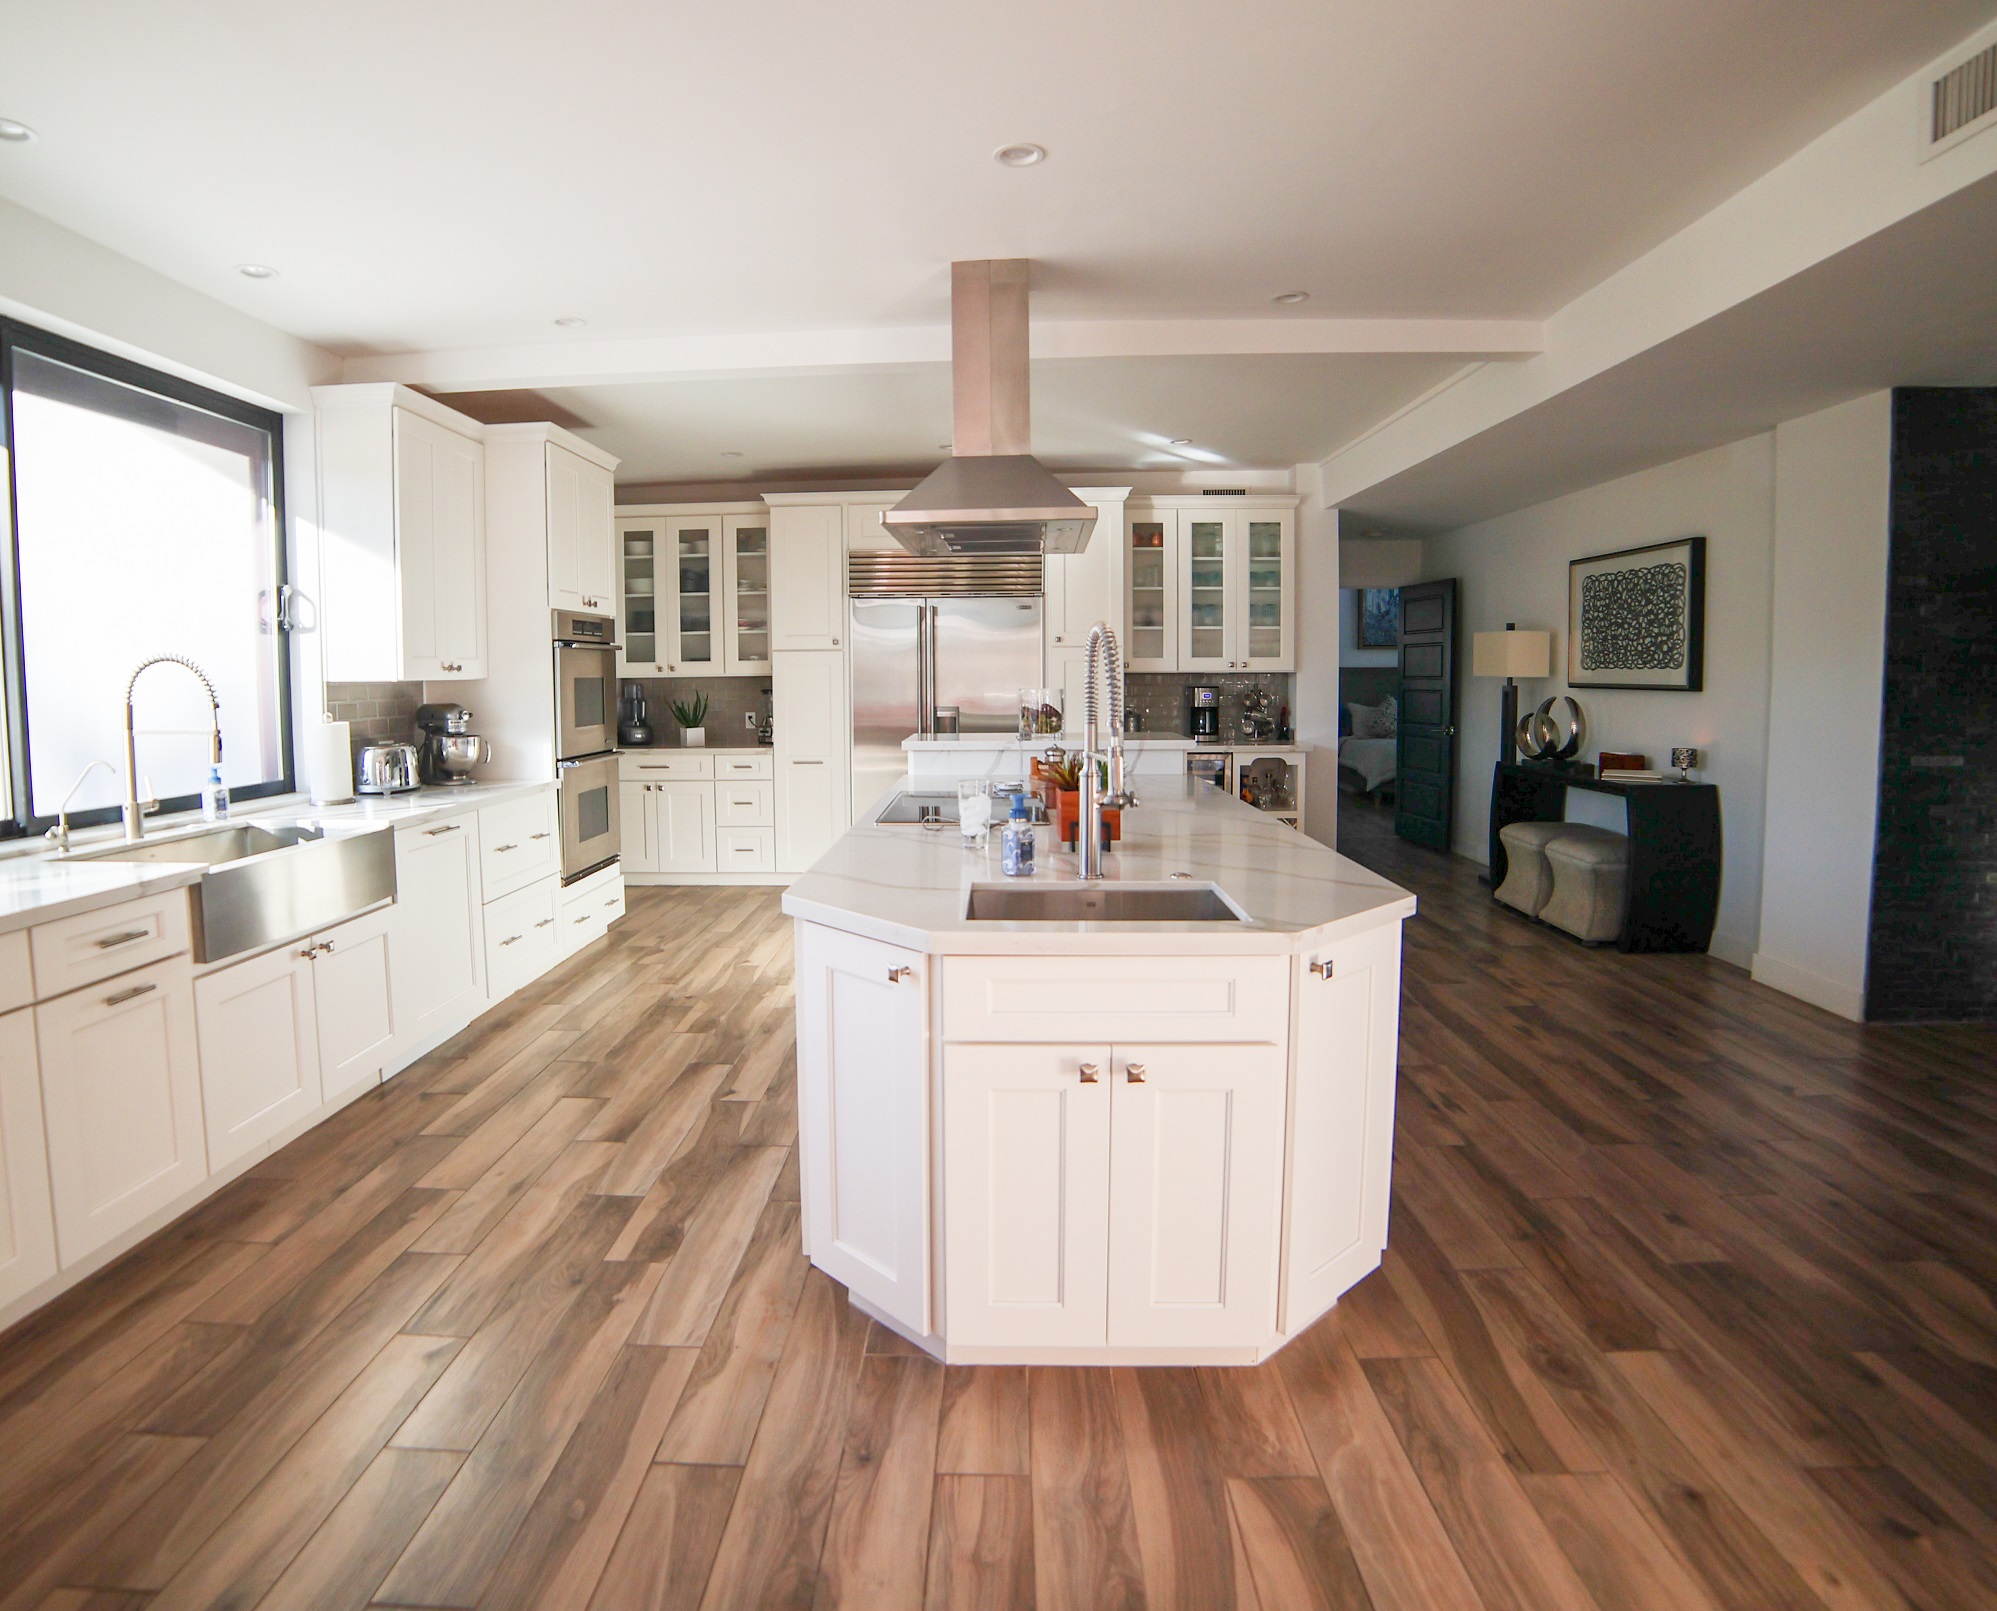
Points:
(1551, 740)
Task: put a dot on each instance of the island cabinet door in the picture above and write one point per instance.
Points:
(1196, 1167)
(1341, 1119)
(863, 1116)
(1026, 1160)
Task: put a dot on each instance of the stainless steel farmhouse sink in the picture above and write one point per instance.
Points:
(1100, 902)
(268, 884)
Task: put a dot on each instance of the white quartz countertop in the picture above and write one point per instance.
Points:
(908, 885)
(944, 743)
(37, 886)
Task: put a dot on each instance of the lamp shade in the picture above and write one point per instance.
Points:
(1511, 654)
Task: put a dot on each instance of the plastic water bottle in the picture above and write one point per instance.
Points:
(214, 797)
(1016, 843)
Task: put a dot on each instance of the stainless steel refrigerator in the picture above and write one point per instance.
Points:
(930, 634)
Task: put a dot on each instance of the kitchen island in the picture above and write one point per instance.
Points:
(1109, 1139)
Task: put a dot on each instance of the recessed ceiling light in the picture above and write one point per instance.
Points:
(1182, 441)
(1290, 299)
(19, 133)
(1022, 155)
(256, 271)
(731, 453)
(571, 322)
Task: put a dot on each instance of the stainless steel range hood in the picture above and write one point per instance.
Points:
(991, 496)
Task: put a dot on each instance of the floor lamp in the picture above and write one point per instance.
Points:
(1510, 654)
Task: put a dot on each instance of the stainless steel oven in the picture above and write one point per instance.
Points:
(585, 684)
(588, 792)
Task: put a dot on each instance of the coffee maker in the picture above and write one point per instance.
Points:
(1203, 711)
(447, 748)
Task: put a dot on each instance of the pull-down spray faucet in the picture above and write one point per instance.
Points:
(135, 809)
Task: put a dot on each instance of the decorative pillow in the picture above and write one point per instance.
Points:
(1363, 717)
(1387, 717)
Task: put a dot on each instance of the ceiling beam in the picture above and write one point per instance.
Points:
(656, 358)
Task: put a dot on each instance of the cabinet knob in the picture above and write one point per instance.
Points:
(896, 975)
(1134, 1073)
(1091, 1072)
(835, 643)
(1321, 969)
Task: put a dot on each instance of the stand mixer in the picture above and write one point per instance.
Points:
(447, 749)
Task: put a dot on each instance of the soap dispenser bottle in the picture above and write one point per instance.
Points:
(1016, 843)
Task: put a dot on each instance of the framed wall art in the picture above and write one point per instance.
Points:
(1637, 618)
(1379, 618)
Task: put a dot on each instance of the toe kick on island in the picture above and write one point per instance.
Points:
(1098, 1143)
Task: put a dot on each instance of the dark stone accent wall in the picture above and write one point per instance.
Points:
(1933, 948)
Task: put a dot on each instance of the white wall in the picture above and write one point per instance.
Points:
(1827, 653)
(1514, 568)
(1316, 718)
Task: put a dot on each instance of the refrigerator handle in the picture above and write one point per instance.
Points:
(925, 669)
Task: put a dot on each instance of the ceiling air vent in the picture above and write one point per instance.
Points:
(1962, 101)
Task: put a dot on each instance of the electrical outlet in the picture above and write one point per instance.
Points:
(749, 720)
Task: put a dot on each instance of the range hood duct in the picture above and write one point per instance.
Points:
(991, 496)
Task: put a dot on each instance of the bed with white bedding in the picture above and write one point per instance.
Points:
(1369, 760)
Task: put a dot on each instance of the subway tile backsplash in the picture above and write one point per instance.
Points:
(377, 712)
(729, 701)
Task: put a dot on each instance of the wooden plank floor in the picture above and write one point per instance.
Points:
(1689, 1305)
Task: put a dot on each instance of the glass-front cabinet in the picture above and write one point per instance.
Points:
(1210, 589)
(1151, 582)
(694, 593)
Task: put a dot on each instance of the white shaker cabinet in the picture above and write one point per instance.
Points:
(353, 1000)
(1237, 590)
(121, 1094)
(436, 946)
(1026, 1149)
(1342, 1118)
(27, 1217)
(807, 576)
(1080, 590)
(582, 538)
(402, 497)
(682, 826)
(863, 1027)
(813, 751)
(259, 1040)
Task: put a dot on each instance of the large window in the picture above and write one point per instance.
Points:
(147, 520)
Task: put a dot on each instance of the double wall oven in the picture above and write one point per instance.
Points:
(586, 740)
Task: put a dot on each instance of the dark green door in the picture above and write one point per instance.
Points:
(1425, 769)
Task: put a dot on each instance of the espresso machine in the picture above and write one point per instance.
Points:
(447, 749)
(1203, 711)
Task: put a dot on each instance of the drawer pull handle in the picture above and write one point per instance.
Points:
(546, 922)
(584, 918)
(538, 836)
(130, 995)
(506, 847)
(1091, 1072)
(1134, 1073)
(896, 975)
(123, 939)
(510, 939)
(611, 902)
(449, 827)
(1321, 969)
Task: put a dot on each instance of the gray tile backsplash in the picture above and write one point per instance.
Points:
(1159, 697)
(729, 701)
(377, 712)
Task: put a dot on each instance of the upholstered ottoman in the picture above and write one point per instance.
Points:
(1528, 880)
(1590, 869)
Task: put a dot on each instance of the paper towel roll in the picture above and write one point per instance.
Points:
(329, 767)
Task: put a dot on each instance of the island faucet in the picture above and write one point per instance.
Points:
(135, 810)
(1101, 641)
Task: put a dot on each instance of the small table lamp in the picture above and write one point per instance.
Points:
(1510, 654)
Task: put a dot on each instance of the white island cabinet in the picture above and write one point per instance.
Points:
(1148, 1142)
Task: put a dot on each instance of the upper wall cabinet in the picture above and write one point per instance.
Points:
(548, 492)
(1211, 589)
(581, 536)
(694, 591)
(807, 576)
(402, 482)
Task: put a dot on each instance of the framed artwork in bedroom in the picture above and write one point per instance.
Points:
(1379, 618)
(1637, 618)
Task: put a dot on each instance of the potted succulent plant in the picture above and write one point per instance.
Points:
(691, 714)
(1064, 779)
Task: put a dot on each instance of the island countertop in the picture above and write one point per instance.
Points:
(908, 885)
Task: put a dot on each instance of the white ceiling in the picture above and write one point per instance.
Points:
(459, 173)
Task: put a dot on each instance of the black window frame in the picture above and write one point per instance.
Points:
(16, 336)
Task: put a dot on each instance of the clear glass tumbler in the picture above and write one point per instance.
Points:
(974, 812)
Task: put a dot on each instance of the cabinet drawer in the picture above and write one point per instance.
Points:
(727, 767)
(745, 850)
(17, 979)
(653, 766)
(1093, 999)
(519, 844)
(745, 805)
(520, 939)
(80, 950)
(587, 911)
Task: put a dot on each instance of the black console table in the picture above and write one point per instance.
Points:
(1674, 849)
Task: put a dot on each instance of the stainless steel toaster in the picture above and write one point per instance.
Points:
(385, 769)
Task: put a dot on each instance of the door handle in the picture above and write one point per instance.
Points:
(1091, 1072)
(1134, 1073)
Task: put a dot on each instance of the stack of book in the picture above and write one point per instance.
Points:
(1631, 774)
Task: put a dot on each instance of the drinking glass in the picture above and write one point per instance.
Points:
(974, 812)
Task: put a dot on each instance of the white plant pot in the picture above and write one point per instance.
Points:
(694, 738)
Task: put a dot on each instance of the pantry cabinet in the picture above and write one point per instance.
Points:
(27, 1217)
(1210, 589)
(863, 1024)
(812, 754)
(121, 1096)
(403, 564)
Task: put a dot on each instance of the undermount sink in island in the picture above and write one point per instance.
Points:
(1143, 1120)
